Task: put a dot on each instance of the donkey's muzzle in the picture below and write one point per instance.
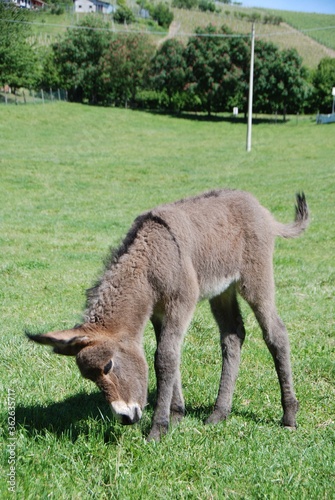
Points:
(126, 420)
(127, 414)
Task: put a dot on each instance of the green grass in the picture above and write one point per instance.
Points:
(72, 180)
(310, 21)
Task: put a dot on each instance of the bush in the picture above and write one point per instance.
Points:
(185, 4)
(162, 14)
(152, 99)
(270, 19)
(124, 15)
(57, 10)
(255, 17)
(207, 5)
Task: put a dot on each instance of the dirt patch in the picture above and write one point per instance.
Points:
(173, 31)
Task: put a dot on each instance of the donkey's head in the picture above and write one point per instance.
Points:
(116, 365)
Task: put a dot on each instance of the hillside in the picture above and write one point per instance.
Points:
(321, 27)
(318, 42)
(286, 35)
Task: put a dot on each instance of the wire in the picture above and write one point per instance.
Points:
(113, 30)
(166, 33)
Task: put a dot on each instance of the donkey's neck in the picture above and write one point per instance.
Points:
(122, 299)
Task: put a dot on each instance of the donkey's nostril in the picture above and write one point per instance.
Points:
(126, 420)
(137, 414)
(133, 418)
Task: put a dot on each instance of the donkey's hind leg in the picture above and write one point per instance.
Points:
(276, 338)
(262, 301)
(227, 313)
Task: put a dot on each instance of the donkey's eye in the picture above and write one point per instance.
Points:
(108, 367)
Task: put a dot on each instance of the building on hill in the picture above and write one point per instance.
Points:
(87, 6)
(28, 4)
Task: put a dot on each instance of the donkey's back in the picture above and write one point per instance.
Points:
(226, 236)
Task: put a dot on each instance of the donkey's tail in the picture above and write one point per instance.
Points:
(300, 223)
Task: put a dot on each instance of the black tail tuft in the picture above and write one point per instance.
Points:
(301, 209)
(300, 223)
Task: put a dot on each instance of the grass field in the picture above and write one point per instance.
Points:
(72, 180)
(325, 24)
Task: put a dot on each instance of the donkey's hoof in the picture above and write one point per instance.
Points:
(290, 424)
(176, 415)
(216, 417)
(157, 432)
(289, 417)
(290, 428)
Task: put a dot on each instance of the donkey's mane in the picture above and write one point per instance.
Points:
(115, 253)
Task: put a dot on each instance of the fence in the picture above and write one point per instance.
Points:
(24, 96)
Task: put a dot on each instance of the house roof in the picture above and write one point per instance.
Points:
(107, 2)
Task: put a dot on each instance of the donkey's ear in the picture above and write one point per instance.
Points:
(67, 342)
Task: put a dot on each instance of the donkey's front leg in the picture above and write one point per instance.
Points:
(167, 359)
(177, 406)
(167, 368)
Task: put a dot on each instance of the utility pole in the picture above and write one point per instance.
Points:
(251, 87)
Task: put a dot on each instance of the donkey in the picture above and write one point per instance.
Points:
(209, 246)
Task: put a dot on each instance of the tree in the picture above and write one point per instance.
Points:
(124, 65)
(213, 76)
(162, 14)
(279, 80)
(265, 78)
(219, 71)
(167, 72)
(234, 84)
(292, 89)
(77, 57)
(323, 81)
(123, 14)
(18, 62)
(49, 76)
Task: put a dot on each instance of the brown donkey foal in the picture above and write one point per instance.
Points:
(206, 247)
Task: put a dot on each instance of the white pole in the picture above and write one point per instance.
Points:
(251, 87)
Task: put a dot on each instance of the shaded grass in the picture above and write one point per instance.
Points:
(72, 181)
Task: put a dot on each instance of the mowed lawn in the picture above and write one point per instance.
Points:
(73, 178)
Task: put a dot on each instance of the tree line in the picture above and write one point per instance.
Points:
(209, 73)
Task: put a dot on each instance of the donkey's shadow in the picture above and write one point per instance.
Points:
(69, 417)
(73, 417)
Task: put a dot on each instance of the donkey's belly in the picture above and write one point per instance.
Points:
(213, 288)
